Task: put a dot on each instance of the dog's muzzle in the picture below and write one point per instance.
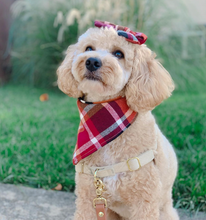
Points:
(92, 64)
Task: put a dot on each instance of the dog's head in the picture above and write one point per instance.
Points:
(104, 65)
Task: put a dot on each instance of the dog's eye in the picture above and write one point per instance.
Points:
(89, 48)
(118, 54)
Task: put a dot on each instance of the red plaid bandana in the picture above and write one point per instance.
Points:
(131, 36)
(100, 124)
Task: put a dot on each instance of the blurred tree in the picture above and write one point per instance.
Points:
(5, 18)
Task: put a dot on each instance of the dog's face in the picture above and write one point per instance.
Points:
(103, 64)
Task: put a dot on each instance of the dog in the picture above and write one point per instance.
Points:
(106, 64)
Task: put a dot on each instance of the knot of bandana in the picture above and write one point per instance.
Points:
(131, 36)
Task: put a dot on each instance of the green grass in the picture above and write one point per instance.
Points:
(182, 119)
(38, 46)
(37, 140)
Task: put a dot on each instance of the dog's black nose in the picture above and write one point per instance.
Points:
(93, 64)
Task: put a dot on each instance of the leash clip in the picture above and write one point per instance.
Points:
(99, 185)
(99, 203)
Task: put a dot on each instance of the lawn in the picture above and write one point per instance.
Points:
(37, 140)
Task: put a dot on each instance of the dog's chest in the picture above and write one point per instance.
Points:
(116, 191)
(138, 138)
(113, 185)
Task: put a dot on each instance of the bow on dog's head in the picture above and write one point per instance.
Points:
(131, 36)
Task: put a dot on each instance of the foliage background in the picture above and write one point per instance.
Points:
(42, 31)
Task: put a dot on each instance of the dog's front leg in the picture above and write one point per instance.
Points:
(147, 211)
(85, 192)
(142, 195)
(84, 210)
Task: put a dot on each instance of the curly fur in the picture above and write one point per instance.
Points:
(144, 194)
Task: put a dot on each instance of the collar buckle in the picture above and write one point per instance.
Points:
(129, 167)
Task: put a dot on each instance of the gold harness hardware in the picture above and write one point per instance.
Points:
(138, 160)
(100, 199)
(99, 185)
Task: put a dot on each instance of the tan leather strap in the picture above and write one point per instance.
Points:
(131, 164)
(101, 212)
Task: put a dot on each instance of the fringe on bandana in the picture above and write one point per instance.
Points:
(101, 123)
(131, 36)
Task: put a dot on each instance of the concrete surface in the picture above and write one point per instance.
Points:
(24, 203)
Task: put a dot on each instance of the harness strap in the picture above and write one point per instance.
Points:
(131, 164)
(101, 212)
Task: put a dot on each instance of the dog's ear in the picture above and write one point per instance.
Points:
(149, 84)
(66, 81)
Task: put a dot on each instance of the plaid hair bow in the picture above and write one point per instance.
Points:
(131, 36)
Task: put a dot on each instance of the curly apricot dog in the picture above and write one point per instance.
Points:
(105, 65)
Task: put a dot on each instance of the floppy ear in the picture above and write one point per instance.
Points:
(66, 81)
(149, 84)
